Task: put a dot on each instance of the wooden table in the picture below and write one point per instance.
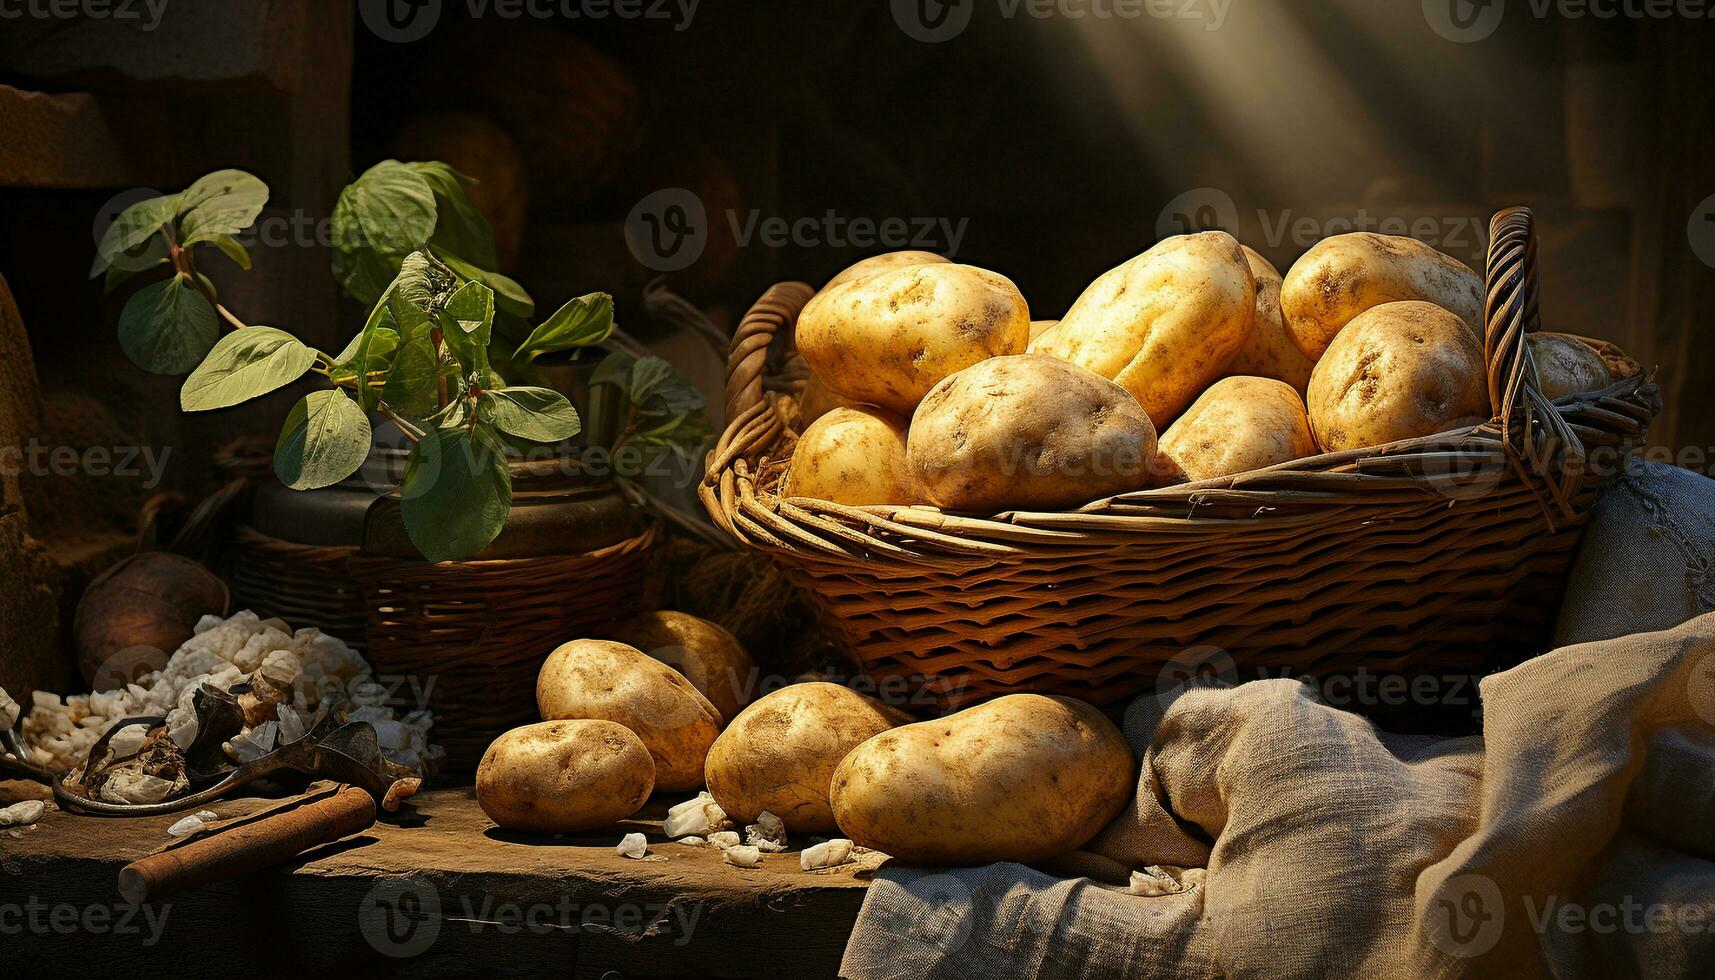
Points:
(438, 891)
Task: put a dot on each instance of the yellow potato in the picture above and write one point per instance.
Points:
(865, 268)
(558, 777)
(1567, 365)
(1238, 425)
(1397, 371)
(852, 456)
(1342, 276)
(816, 401)
(619, 683)
(886, 339)
(1270, 353)
(780, 753)
(711, 658)
(1165, 324)
(1028, 431)
(1040, 327)
(1020, 778)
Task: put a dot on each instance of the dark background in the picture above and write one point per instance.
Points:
(1061, 146)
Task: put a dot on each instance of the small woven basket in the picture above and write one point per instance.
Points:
(472, 635)
(305, 585)
(1437, 553)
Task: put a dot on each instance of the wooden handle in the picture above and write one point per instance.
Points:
(247, 847)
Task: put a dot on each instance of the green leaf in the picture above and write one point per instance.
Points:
(380, 335)
(223, 203)
(582, 322)
(325, 439)
(379, 219)
(117, 275)
(650, 383)
(456, 493)
(167, 327)
(459, 227)
(131, 230)
(536, 414)
(411, 382)
(471, 312)
(233, 249)
(243, 365)
(508, 295)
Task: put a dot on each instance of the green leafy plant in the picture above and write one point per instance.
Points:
(443, 335)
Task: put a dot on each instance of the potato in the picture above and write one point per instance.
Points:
(1567, 365)
(619, 683)
(852, 456)
(1040, 327)
(711, 658)
(780, 753)
(1027, 431)
(1239, 424)
(865, 268)
(1022, 778)
(1270, 353)
(1342, 276)
(816, 401)
(886, 339)
(558, 777)
(1397, 371)
(1163, 325)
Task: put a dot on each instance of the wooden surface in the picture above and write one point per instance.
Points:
(438, 891)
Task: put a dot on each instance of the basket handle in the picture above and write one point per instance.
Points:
(1540, 443)
(747, 360)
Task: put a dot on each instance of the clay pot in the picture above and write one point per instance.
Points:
(135, 614)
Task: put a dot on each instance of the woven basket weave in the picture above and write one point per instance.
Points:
(474, 634)
(1428, 554)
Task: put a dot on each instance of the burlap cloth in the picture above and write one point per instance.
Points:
(1574, 838)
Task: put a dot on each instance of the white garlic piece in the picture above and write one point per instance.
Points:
(701, 815)
(9, 711)
(742, 856)
(22, 814)
(633, 846)
(724, 839)
(768, 833)
(186, 827)
(827, 854)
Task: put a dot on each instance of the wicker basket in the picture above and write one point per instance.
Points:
(305, 585)
(1428, 554)
(473, 634)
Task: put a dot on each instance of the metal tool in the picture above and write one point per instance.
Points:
(333, 748)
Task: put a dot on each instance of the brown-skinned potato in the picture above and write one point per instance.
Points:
(1342, 276)
(605, 679)
(1027, 431)
(558, 777)
(709, 656)
(1567, 365)
(1270, 353)
(1024, 777)
(1397, 371)
(887, 261)
(1165, 324)
(1239, 424)
(780, 753)
(887, 338)
(852, 456)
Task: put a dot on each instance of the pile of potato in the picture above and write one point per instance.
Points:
(1022, 778)
(930, 383)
